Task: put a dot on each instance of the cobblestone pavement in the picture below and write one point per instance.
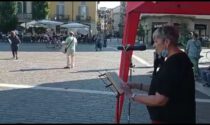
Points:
(36, 89)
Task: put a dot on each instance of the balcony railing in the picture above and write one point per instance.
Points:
(81, 18)
(60, 17)
(23, 17)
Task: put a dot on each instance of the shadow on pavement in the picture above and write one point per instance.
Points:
(6, 58)
(34, 69)
(99, 70)
(108, 70)
(53, 103)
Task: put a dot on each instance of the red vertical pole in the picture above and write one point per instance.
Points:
(129, 37)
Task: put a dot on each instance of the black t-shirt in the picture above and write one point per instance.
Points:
(174, 80)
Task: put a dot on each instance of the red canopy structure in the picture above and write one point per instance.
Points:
(133, 11)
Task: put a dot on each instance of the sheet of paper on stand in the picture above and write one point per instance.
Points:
(114, 79)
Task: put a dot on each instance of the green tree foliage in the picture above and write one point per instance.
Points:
(8, 16)
(40, 10)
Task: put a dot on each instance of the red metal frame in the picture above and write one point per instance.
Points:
(133, 11)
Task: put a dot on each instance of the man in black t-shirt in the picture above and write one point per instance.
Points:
(171, 94)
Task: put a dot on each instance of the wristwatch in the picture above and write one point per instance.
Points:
(133, 96)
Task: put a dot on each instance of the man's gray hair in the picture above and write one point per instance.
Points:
(167, 32)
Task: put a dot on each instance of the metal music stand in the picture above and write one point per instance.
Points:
(113, 81)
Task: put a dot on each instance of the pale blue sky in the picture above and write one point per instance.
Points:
(109, 4)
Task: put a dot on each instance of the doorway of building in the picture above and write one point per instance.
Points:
(200, 29)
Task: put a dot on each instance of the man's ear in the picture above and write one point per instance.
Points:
(167, 42)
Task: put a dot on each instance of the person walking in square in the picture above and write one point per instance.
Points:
(70, 44)
(14, 41)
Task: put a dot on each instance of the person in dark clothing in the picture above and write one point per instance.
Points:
(98, 42)
(105, 42)
(14, 42)
(171, 94)
(1, 35)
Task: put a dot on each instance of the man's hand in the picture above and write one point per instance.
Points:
(127, 90)
(132, 85)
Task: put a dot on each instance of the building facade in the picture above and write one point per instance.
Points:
(197, 23)
(24, 13)
(122, 17)
(116, 18)
(112, 20)
(74, 11)
(106, 20)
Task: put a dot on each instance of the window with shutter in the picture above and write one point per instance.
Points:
(60, 8)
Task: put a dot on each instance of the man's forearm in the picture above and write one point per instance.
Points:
(151, 100)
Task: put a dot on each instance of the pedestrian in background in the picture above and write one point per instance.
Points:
(70, 49)
(14, 41)
(98, 42)
(193, 50)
